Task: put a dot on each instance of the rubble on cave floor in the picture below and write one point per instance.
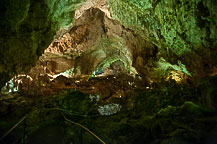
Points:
(107, 87)
(170, 114)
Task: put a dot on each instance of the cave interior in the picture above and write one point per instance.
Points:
(108, 71)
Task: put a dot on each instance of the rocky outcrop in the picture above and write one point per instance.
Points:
(92, 44)
(139, 44)
(182, 30)
(167, 115)
(27, 28)
(157, 38)
(178, 32)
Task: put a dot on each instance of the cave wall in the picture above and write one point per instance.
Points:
(93, 43)
(27, 27)
(182, 30)
(178, 32)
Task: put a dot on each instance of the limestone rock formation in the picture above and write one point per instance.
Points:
(131, 71)
(182, 30)
(27, 28)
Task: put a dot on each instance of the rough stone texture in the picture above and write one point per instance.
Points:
(179, 31)
(27, 28)
(168, 115)
(93, 43)
(159, 38)
(182, 30)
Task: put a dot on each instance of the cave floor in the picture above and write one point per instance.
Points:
(106, 86)
(118, 109)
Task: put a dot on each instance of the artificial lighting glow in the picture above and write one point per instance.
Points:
(178, 76)
(68, 73)
(11, 86)
(22, 75)
(77, 81)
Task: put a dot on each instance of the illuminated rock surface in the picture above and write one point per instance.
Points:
(136, 71)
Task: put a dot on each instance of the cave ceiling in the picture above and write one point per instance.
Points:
(153, 39)
(128, 71)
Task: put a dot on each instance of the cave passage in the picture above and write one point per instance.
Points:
(87, 57)
(108, 71)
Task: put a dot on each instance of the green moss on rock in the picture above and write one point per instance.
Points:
(182, 30)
